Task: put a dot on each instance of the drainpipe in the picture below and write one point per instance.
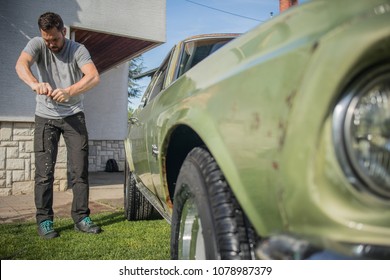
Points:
(285, 4)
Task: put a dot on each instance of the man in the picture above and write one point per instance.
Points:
(65, 72)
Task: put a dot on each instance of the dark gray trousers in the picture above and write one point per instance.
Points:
(46, 137)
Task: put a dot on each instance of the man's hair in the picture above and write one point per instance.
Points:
(50, 20)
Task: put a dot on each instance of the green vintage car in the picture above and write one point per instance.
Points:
(276, 146)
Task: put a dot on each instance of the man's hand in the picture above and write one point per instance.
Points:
(42, 88)
(60, 95)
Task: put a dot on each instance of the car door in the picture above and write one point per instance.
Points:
(140, 128)
(152, 129)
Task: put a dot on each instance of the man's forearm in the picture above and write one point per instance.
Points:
(24, 72)
(25, 75)
(85, 84)
(91, 78)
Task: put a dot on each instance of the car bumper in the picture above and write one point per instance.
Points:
(286, 247)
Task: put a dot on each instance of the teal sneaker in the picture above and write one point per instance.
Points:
(45, 230)
(86, 225)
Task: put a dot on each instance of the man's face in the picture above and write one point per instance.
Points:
(54, 39)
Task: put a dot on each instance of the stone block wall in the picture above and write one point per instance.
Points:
(17, 158)
(100, 151)
(17, 169)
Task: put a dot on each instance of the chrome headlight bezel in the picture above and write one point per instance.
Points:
(365, 103)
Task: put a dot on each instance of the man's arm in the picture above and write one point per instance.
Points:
(90, 79)
(23, 69)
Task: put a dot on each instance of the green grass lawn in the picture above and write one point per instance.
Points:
(120, 240)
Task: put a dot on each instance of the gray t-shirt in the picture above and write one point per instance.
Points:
(60, 70)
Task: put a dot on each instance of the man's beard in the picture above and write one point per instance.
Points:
(55, 49)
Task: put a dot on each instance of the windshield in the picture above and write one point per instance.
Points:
(197, 50)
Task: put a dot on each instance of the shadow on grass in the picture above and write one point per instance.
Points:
(109, 218)
(102, 219)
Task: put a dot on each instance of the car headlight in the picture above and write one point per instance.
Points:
(362, 132)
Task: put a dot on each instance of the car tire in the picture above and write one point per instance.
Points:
(136, 206)
(207, 221)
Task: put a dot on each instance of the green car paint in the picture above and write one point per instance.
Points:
(263, 105)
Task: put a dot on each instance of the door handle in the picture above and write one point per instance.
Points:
(155, 151)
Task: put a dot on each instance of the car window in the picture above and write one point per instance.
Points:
(158, 79)
(197, 50)
(158, 85)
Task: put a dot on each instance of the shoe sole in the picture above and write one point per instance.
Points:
(79, 230)
(49, 235)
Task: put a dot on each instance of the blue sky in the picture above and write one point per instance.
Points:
(186, 18)
(190, 17)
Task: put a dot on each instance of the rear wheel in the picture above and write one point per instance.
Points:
(137, 207)
(207, 221)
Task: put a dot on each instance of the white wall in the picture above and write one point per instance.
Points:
(143, 19)
(106, 106)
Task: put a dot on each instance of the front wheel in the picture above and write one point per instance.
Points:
(207, 221)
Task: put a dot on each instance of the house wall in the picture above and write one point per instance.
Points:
(105, 105)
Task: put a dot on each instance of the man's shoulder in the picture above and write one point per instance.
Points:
(75, 47)
(38, 41)
(73, 44)
(78, 49)
(35, 46)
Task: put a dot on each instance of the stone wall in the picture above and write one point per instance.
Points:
(100, 151)
(17, 168)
